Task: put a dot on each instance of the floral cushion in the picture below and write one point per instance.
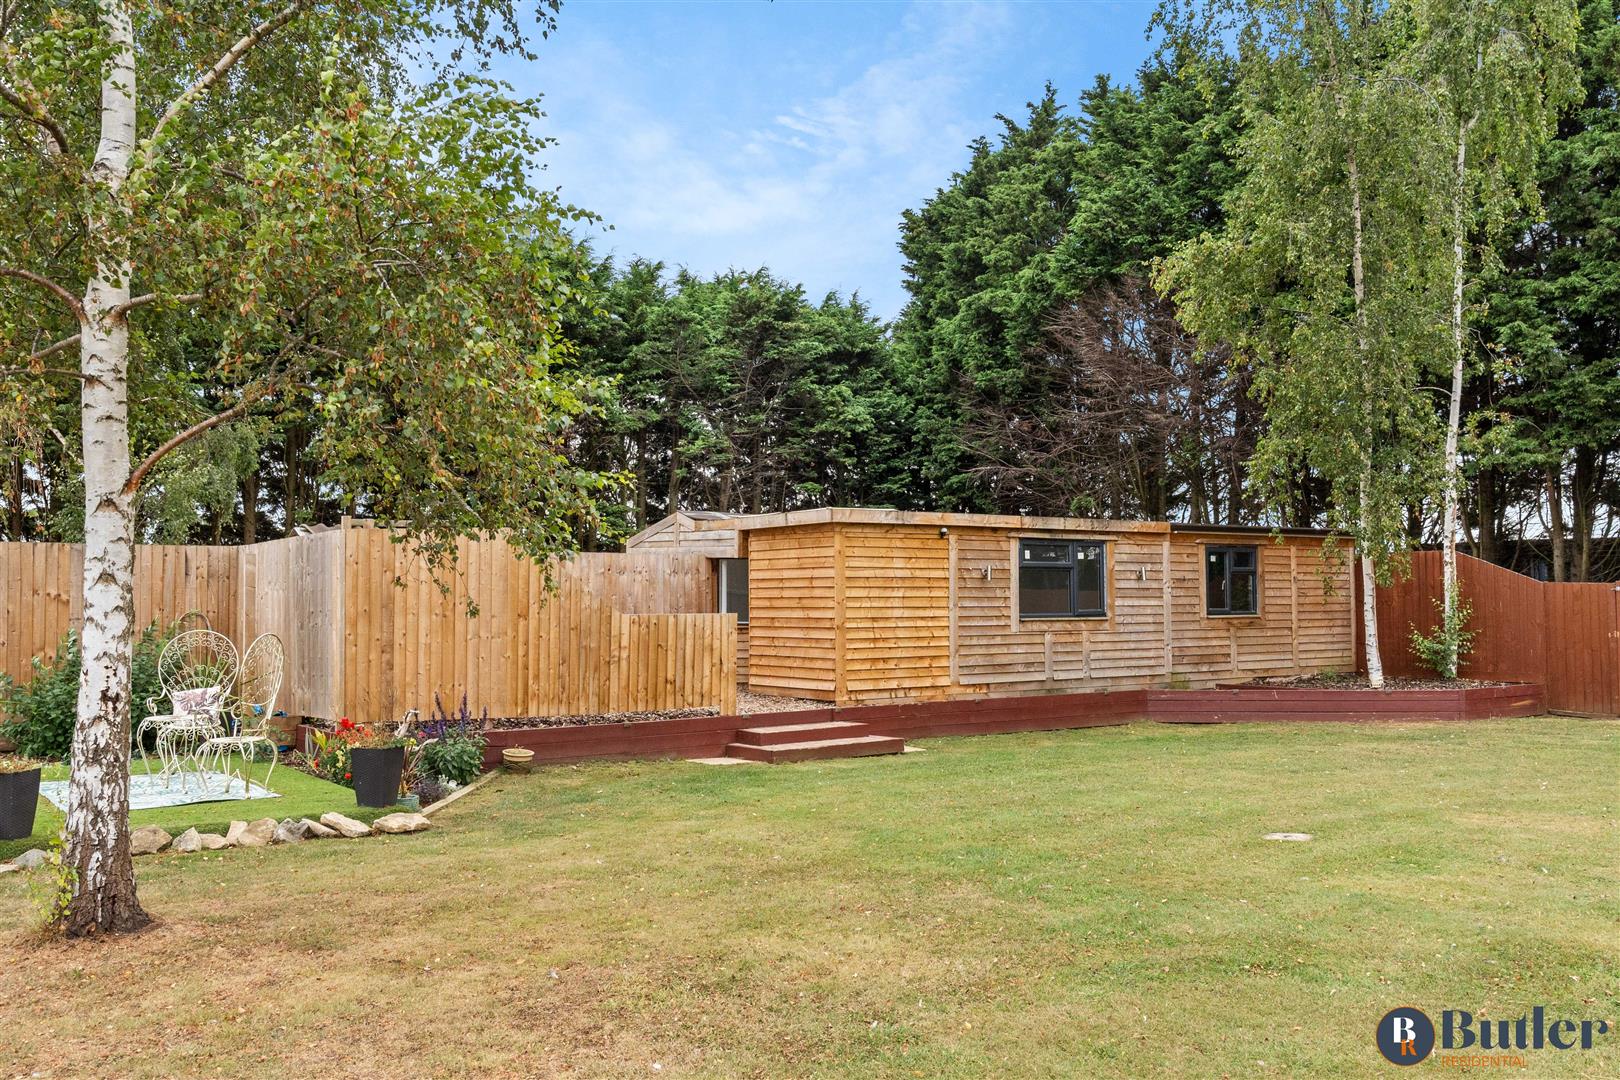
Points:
(204, 699)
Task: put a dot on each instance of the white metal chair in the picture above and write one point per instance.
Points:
(196, 670)
(251, 709)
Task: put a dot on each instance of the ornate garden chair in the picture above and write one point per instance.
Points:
(196, 670)
(250, 711)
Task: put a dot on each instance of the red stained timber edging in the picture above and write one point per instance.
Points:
(1254, 703)
(707, 736)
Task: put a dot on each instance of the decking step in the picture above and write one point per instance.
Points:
(777, 734)
(819, 749)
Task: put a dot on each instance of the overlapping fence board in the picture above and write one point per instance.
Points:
(369, 633)
(1564, 635)
(41, 591)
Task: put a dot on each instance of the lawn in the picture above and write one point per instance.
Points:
(1089, 903)
(302, 795)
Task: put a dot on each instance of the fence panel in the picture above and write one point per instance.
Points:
(1564, 635)
(369, 633)
(673, 661)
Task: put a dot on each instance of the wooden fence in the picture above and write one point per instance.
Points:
(369, 634)
(1565, 636)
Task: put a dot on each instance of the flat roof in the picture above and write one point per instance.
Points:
(856, 515)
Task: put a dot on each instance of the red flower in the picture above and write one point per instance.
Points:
(348, 776)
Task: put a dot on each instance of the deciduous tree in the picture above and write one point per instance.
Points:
(350, 225)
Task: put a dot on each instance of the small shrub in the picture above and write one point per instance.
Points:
(429, 790)
(1443, 650)
(39, 715)
(51, 887)
(456, 757)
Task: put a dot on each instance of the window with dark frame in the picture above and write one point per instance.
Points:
(1232, 579)
(1061, 579)
(732, 582)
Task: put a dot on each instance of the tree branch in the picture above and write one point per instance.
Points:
(36, 113)
(67, 373)
(217, 72)
(139, 475)
(152, 298)
(51, 350)
(46, 283)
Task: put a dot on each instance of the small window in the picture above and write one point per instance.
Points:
(733, 587)
(1231, 581)
(1060, 579)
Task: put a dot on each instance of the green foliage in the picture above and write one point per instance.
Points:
(735, 392)
(1448, 644)
(39, 715)
(1058, 205)
(364, 262)
(50, 886)
(1554, 380)
(1331, 268)
(456, 756)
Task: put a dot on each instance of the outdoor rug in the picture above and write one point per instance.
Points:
(147, 792)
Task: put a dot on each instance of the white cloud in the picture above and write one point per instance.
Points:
(813, 188)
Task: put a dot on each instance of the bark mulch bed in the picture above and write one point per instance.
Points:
(1359, 682)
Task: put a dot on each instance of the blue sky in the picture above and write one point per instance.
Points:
(792, 135)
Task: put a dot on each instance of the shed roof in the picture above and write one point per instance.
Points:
(871, 516)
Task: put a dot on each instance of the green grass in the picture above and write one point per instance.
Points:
(302, 795)
(1091, 903)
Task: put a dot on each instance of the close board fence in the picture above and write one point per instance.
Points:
(1564, 635)
(370, 634)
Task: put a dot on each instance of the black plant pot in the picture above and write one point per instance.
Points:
(376, 772)
(19, 798)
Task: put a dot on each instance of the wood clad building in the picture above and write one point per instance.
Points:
(851, 605)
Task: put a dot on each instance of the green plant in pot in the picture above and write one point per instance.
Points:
(376, 763)
(19, 796)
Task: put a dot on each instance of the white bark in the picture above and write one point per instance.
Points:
(98, 793)
(1369, 584)
(1453, 471)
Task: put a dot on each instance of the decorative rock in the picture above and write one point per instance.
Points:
(32, 859)
(401, 823)
(314, 830)
(258, 833)
(6, 867)
(288, 832)
(192, 840)
(1295, 836)
(148, 840)
(347, 826)
(233, 834)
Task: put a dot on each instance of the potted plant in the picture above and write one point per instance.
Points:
(376, 764)
(19, 797)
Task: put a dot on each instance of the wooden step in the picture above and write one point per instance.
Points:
(796, 733)
(818, 749)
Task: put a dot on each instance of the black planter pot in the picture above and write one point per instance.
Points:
(376, 774)
(19, 798)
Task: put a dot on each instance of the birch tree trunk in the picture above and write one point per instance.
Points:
(1555, 521)
(1453, 470)
(98, 793)
(1369, 581)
